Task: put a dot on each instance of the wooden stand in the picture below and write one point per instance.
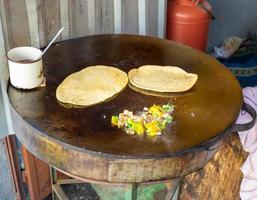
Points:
(220, 178)
(158, 190)
(36, 175)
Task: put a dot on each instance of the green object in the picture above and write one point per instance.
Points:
(168, 119)
(149, 192)
(107, 192)
(133, 191)
(168, 107)
(115, 120)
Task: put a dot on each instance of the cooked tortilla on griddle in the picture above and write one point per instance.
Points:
(162, 78)
(91, 85)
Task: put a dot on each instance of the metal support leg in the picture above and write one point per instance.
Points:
(53, 175)
(57, 192)
(173, 190)
(149, 191)
(176, 193)
(134, 191)
(166, 190)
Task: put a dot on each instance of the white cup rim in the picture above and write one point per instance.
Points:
(13, 49)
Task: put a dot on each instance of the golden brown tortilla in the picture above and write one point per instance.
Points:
(91, 85)
(162, 78)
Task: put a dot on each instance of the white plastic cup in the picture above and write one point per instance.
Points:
(25, 67)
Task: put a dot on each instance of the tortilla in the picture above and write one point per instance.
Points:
(162, 78)
(91, 85)
(161, 94)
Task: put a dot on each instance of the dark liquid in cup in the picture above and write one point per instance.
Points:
(25, 61)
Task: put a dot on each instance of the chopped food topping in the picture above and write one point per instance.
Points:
(151, 121)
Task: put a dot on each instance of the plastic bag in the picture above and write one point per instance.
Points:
(227, 48)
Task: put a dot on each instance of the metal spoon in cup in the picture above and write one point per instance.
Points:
(58, 33)
(25, 66)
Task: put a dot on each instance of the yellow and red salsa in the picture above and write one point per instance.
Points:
(151, 121)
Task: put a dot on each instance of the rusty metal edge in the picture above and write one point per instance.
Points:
(86, 180)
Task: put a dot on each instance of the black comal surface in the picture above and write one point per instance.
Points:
(201, 114)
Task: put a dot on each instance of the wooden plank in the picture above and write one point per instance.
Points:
(162, 13)
(16, 14)
(43, 178)
(64, 9)
(59, 192)
(3, 60)
(104, 16)
(91, 16)
(68, 181)
(78, 18)
(220, 178)
(52, 18)
(4, 30)
(10, 142)
(98, 17)
(142, 17)
(108, 16)
(41, 22)
(117, 15)
(4, 80)
(151, 17)
(37, 176)
(49, 20)
(30, 174)
(130, 21)
(7, 188)
(31, 8)
(3, 122)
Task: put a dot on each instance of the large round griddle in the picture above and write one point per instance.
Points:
(201, 115)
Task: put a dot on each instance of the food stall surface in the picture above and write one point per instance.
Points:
(81, 141)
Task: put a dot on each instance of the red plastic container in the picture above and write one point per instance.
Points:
(187, 23)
